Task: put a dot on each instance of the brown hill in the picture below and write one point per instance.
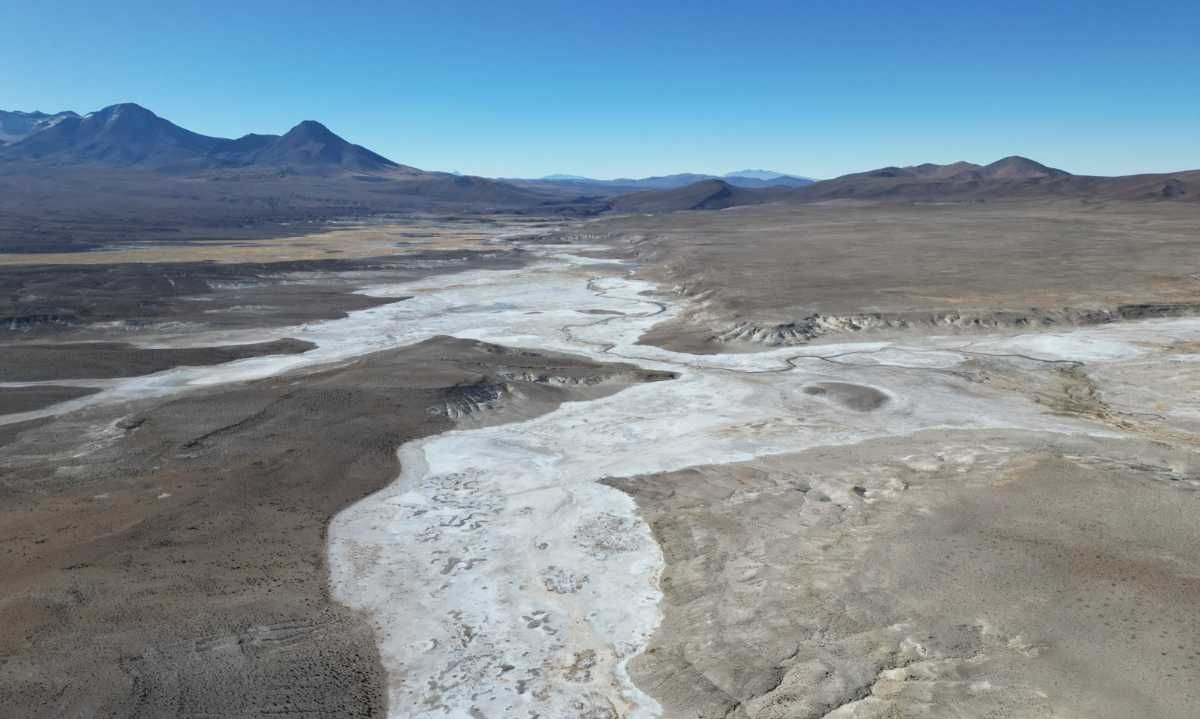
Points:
(1012, 178)
(1015, 167)
(705, 195)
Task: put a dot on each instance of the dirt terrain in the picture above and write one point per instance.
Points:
(284, 280)
(182, 538)
(789, 274)
(28, 362)
(182, 542)
(14, 400)
(925, 516)
(941, 575)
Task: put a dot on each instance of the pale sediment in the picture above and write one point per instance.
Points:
(507, 581)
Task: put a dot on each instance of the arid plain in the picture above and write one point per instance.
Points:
(939, 572)
(846, 459)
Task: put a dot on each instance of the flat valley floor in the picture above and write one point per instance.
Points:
(770, 462)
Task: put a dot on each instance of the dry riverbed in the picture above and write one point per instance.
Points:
(582, 523)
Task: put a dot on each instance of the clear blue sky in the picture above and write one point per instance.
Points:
(640, 88)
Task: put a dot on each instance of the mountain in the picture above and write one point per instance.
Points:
(777, 181)
(769, 176)
(755, 174)
(704, 195)
(1009, 168)
(239, 151)
(1011, 178)
(311, 144)
(16, 126)
(587, 185)
(1019, 168)
(130, 136)
(124, 172)
(125, 134)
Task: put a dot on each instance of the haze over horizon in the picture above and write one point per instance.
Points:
(629, 91)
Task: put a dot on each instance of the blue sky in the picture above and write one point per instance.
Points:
(641, 88)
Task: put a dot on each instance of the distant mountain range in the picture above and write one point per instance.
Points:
(16, 126)
(1012, 178)
(766, 176)
(126, 161)
(713, 194)
(130, 136)
(124, 174)
(578, 183)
